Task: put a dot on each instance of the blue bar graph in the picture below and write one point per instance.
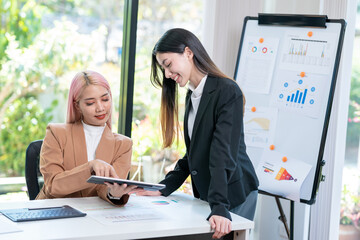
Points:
(303, 101)
(298, 97)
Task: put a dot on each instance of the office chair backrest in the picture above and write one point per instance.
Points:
(32, 171)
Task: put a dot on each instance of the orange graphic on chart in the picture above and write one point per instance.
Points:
(284, 175)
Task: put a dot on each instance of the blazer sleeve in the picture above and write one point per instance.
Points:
(122, 156)
(59, 181)
(121, 164)
(224, 149)
(175, 178)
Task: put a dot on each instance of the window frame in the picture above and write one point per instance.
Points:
(126, 97)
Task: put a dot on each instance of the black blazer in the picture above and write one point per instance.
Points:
(221, 171)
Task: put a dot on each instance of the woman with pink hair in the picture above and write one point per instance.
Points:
(85, 145)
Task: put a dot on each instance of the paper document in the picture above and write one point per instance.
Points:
(259, 126)
(310, 54)
(125, 215)
(283, 178)
(139, 208)
(256, 71)
(302, 95)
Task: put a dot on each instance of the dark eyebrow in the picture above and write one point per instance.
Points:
(163, 61)
(86, 99)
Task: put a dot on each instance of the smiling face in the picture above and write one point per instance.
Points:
(177, 66)
(94, 105)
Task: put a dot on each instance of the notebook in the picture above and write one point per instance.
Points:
(34, 214)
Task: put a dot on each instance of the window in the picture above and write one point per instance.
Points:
(350, 199)
(155, 17)
(42, 45)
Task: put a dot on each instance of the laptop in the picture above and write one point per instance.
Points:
(35, 214)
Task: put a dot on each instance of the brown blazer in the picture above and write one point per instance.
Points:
(65, 167)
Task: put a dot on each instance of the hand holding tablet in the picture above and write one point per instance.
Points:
(144, 185)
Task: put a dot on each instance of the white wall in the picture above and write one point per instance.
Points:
(223, 22)
(291, 6)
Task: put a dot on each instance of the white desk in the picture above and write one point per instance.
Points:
(141, 218)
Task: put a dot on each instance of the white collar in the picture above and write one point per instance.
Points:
(197, 92)
(92, 128)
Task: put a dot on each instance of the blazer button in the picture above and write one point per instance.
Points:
(194, 172)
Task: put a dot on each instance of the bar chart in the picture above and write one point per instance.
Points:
(298, 97)
(300, 94)
(307, 52)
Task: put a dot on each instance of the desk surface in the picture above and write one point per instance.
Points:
(141, 217)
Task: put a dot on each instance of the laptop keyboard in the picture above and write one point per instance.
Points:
(29, 214)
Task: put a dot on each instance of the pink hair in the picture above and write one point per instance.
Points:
(78, 84)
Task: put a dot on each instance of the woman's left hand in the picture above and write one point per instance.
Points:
(221, 225)
(142, 192)
(118, 190)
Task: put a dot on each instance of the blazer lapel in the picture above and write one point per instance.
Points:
(105, 149)
(79, 144)
(209, 88)
(186, 117)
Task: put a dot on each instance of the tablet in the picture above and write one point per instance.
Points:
(144, 185)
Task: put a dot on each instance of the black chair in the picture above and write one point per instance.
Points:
(32, 171)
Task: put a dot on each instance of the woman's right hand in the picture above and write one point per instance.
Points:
(118, 190)
(142, 192)
(220, 225)
(102, 168)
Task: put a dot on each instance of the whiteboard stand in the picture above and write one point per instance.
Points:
(282, 216)
(292, 209)
(287, 68)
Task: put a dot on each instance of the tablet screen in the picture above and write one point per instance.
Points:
(144, 185)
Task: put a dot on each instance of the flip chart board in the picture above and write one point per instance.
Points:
(287, 67)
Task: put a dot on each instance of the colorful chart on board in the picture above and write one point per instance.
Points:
(303, 95)
(284, 175)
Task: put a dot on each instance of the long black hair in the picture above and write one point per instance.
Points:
(175, 41)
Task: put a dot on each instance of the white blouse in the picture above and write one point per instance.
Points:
(195, 102)
(92, 136)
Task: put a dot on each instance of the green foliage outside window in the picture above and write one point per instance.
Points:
(40, 51)
(20, 18)
(350, 207)
(33, 60)
(353, 130)
(24, 122)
